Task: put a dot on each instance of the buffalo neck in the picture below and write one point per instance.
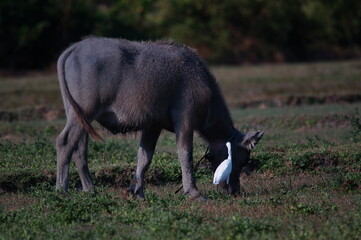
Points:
(218, 128)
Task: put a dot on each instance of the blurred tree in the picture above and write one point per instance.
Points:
(126, 18)
(33, 32)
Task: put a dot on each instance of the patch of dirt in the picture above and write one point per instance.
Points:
(12, 138)
(115, 176)
(23, 181)
(112, 177)
(300, 100)
(37, 113)
(12, 201)
(350, 185)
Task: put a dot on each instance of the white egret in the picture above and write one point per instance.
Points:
(224, 169)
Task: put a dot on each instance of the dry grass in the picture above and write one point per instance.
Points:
(277, 84)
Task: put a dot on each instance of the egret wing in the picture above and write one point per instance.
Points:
(222, 172)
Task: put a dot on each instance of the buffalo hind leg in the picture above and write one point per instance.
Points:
(81, 162)
(144, 157)
(66, 144)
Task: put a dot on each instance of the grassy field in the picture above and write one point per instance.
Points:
(304, 181)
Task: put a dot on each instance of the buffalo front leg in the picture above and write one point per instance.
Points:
(185, 155)
(81, 162)
(66, 143)
(144, 157)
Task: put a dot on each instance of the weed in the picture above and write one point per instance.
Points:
(253, 201)
(355, 122)
(273, 161)
(304, 208)
(244, 228)
(217, 195)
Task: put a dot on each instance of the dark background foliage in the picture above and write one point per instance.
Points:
(34, 32)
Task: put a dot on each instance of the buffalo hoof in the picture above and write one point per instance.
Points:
(202, 199)
(197, 196)
(136, 193)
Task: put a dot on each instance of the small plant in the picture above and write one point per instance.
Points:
(303, 208)
(355, 122)
(310, 160)
(252, 201)
(217, 195)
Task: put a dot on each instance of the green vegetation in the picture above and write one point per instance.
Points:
(305, 183)
(34, 32)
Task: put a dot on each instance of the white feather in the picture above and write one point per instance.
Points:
(224, 169)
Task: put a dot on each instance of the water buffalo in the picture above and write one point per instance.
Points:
(129, 86)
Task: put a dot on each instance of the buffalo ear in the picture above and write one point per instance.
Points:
(251, 139)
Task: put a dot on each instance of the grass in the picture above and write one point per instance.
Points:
(305, 181)
(281, 85)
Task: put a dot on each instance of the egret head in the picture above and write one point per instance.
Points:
(242, 145)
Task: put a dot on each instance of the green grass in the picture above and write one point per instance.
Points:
(307, 182)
